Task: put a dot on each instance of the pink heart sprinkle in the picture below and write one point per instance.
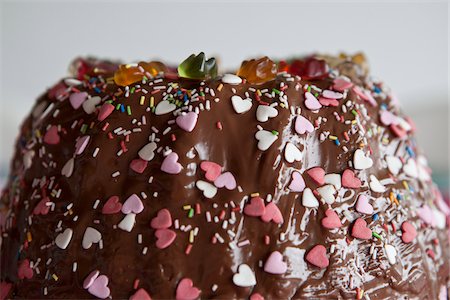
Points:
(272, 213)
(51, 137)
(317, 174)
(187, 121)
(170, 164)
(99, 288)
(5, 287)
(388, 118)
(297, 183)
(340, 84)
(186, 290)
(105, 110)
(331, 220)
(77, 99)
(275, 264)
(24, 270)
(42, 208)
(163, 220)
(141, 294)
(360, 230)
(165, 238)
(81, 144)
(303, 125)
(426, 215)
(349, 180)
(364, 95)
(311, 102)
(328, 102)
(409, 232)
(112, 206)
(226, 180)
(212, 169)
(363, 206)
(255, 208)
(133, 205)
(317, 256)
(256, 296)
(138, 165)
(89, 280)
(332, 94)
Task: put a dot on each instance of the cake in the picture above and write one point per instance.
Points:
(286, 179)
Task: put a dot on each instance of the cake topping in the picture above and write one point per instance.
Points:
(198, 67)
(258, 71)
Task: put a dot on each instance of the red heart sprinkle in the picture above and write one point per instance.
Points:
(105, 110)
(212, 170)
(317, 174)
(409, 232)
(349, 180)
(42, 208)
(186, 290)
(397, 130)
(138, 165)
(256, 296)
(331, 220)
(255, 208)
(360, 230)
(272, 213)
(163, 220)
(24, 270)
(112, 206)
(317, 256)
(165, 238)
(140, 294)
(51, 137)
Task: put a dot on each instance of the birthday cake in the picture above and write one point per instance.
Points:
(286, 179)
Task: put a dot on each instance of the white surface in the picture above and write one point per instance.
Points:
(407, 45)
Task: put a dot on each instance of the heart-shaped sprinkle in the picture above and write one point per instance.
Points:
(265, 139)
(67, 169)
(51, 137)
(141, 294)
(187, 121)
(231, 79)
(24, 270)
(226, 180)
(105, 110)
(364, 95)
(256, 296)
(91, 236)
(439, 219)
(43, 207)
(244, 276)
(209, 190)
(426, 215)
(361, 161)
(388, 118)
(409, 232)
(165, 238)
(297, 183)
(5, 288)
(90, 104)
(255, 208)
(112, 206)
(272, 213)
(328, 102)
(63, 239)
(171, 165)
(164, 107)
(99, 288)
(212, 170)
(138, 165)
(148, 151)
(241, 105)
(264, 112)
(331, 220)
(411, 169)
(127, 222)
(334, 179)
(308, 199)
(327, 192)
(341, 84)
(391, 253)
(186, 290)
(163, 220)
(332, 94)
(349, 180)
(77, 99)
(394, 164)
(363, 206)
(398, 131)
(133, 205)
(311, 102)
(317, 256)
(275, 264)
(303, 125)
(375, 185)
(81, 144)
(317, 174)
(89, 280)
(360, 230)
(292, 153)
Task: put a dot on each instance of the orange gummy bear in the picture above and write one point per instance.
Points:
(128, 74)
(258, 71)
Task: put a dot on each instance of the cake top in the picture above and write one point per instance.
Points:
(297, 178)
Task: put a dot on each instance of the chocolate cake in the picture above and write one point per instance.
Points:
(289, 179)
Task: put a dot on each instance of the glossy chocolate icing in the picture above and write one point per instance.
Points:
(221, 135)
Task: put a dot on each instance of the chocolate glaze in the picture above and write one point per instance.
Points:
(211, 266)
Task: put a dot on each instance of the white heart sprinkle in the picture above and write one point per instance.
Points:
(292, 153)
(439, 218)
(264, 112)
(308, 198)
(89, 104)
(334, 179)
(91, 236)
(376, 185)
(127, 222)
(327, 193)
(148, 151)
(423, 173)
(391, 253)
(361, 161)
(265, 139)
(394, 164)
(231, 79)
(67, 170)
(241, 105)
(28, 159)
(62, 240)
(410, 168)
(164, 107)
(244, 277)
(209, 190)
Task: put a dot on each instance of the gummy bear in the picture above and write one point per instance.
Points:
(353, 65)
(283, 66)
(197, 67)
(258, 71)
(128, 74)
(81, 67)
(309, 69)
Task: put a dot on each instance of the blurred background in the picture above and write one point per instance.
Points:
(406, 43)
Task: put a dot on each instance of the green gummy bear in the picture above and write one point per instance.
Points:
(197, 67)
